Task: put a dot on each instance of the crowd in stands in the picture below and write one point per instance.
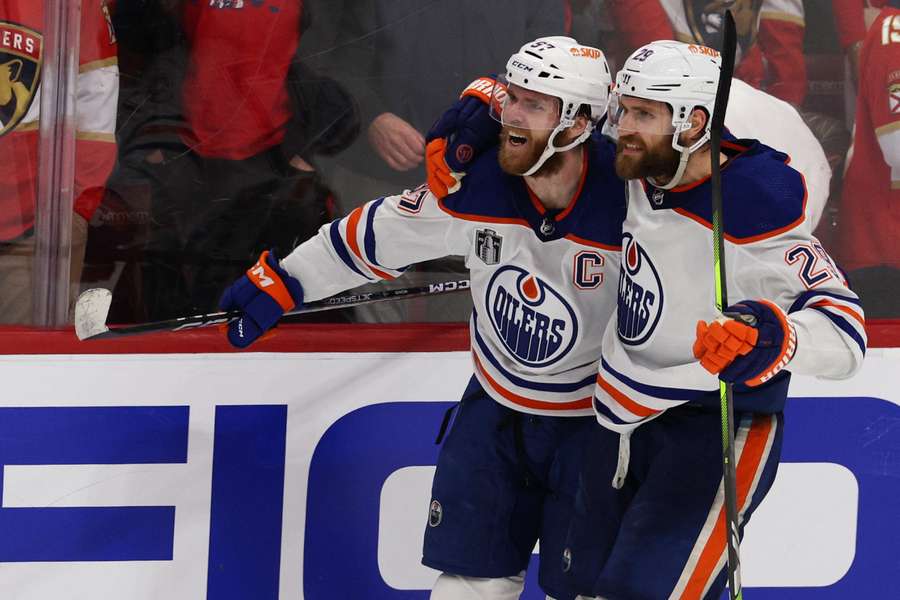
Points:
(210, 130)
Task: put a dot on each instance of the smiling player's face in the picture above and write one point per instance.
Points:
(643, 149)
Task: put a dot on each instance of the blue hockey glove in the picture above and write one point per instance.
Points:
(263, 294)
(751, 349)
(463, 132)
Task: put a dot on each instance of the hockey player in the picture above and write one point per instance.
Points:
(650, 492)
(653, 397)
(539, 225)
(783, 128)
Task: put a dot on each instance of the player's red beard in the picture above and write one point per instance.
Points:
(659, 161)
(517, 159)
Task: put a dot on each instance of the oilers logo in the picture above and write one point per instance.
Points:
(535, 323)
(640, 294)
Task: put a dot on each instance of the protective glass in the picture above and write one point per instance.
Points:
(634, 115)
(524, 109)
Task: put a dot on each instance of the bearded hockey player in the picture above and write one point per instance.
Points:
(652, 482)
(650, 490)
(539, 224)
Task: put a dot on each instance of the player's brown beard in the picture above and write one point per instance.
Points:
(519, 164)
(659, 161)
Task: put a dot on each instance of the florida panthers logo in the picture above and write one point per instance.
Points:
(21, 54)
(535, 323)
(640, 294)
(706, 22)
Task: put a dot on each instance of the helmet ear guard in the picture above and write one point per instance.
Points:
(686, 126)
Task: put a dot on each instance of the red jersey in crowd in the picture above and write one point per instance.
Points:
(870, 215)
(22, 47)
(850, 18)
(770, 35)
(235, 100)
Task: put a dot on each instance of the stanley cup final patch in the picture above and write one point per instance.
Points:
(21, 53)
(488, 245)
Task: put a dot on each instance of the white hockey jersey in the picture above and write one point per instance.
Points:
(543, 283)
(667, 284)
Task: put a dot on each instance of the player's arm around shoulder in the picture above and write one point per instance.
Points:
(376, 241)
(460, 135)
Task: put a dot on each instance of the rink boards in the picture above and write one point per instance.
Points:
(307, 475)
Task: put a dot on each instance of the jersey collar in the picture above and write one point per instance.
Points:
(676, 197)
(549, 224)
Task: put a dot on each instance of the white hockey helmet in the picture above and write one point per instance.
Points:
(684, 76)
(577, 75)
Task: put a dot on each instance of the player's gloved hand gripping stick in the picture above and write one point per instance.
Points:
(741, 353)
(250, 308)
(262, 296)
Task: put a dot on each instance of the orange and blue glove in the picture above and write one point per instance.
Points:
(263, 294)
(463, 132)
(751, 348)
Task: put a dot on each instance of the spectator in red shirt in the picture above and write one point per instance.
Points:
(237, 174)
(852, 18)
(404, 60)
(870, 217)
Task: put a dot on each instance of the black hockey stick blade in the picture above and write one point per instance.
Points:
(92, 309)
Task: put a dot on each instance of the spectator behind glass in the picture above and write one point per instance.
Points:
(853, 18)
(404, 61)
(870, 213)
(770, 36)
(21, 54)
(241, 173)
(411, 59)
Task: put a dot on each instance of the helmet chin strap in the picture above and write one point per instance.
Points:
(679, 172)
(686, 152)
(551, 149)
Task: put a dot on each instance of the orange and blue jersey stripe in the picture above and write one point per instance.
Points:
(844, 312)
(353, 239)
(623, 403)
(754, 440)
(570, 398)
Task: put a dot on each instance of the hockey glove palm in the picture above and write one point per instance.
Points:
(743, 353)
(263, 294)
(463, 132)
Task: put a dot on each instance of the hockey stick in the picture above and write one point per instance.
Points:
(729, 43)
(92, 308)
